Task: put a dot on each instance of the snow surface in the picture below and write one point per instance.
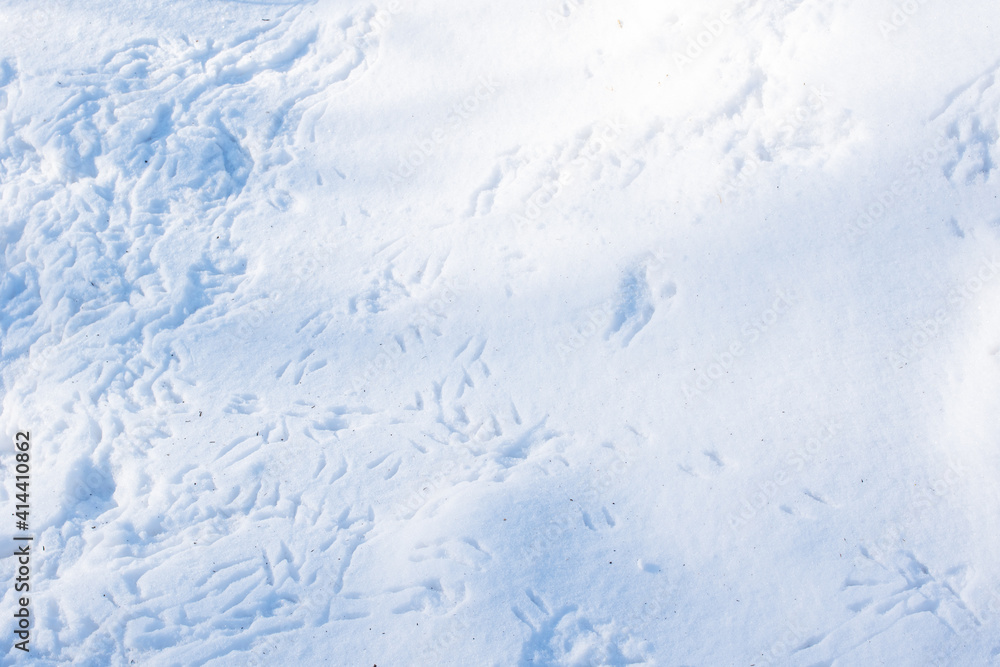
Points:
(563, 332)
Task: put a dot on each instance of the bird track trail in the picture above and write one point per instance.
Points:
(122, 183)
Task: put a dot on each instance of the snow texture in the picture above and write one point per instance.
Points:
(559, 333)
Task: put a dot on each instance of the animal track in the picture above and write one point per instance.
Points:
(643, 288)
(708, 465)
(633, 310)
(122, 180)
(525, 181)
(243, 404)
(881, 595)
(564, 636)
(970, 121)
